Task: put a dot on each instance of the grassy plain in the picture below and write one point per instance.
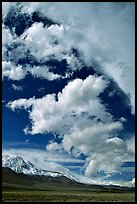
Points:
(65, 195)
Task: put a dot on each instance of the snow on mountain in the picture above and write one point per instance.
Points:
(19, 165)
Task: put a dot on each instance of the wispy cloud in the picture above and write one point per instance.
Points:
(16, 87)
(42, 158)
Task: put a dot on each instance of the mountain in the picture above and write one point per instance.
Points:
(19, 165)
(15, 169)
(13, 180)
(19, 173)
(10, 176)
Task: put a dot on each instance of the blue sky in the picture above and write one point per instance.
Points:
(68, 87)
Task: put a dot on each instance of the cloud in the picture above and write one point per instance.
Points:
(7, 40)
(43, 73)
(35, 44)
(77, 114)
(109, 36)
(99, 143)
(50, 42)
(17, 88)
(18, 72)
(96, 135)
(12, 71)
(124, 76)
(130, 183)
(78, 96)
(122, 119)
(42, 89)
(7, 37)
(53, 146)
(44, 159)
(133, 181)
(21, 103)
(131, 143)
(40, 41)
(120, 15)
(109, 40)
(6, 7)
(83, 123)
(26, 141)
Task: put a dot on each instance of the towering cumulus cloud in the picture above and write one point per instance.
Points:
(83, 122)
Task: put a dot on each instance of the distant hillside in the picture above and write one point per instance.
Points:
(12, 179)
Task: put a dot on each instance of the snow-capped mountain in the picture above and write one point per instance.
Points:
(19, 165)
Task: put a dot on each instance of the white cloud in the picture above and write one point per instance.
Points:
(26, 141)
(130, 183)
(131, 143)
(7, 39)
(56, 30)
(18, 72)
(45, 159)
(40, 41)
(108, 40)
(43, 72)
(109, 36)
(42, 47)
(78, 91)
(42, 89)
(53, 146)
(78, 96)
(91, 169)
(99, 143)
(12, 71)
(96, 134)
(120, 15)
(16, 87)
(122, 119)
(83, 123)
(124, 76)
(6, 7)
(133, 181)
(21, 103)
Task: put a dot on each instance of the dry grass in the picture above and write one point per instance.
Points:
(44, 196)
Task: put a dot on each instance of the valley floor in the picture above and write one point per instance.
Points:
(76, 196)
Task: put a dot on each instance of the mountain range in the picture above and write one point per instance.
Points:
(16, 170)
(19, 165)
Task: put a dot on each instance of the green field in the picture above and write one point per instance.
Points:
(65, 195)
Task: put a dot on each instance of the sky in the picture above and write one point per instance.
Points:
(68, 87)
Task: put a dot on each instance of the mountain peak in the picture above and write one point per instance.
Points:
(19, 165)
